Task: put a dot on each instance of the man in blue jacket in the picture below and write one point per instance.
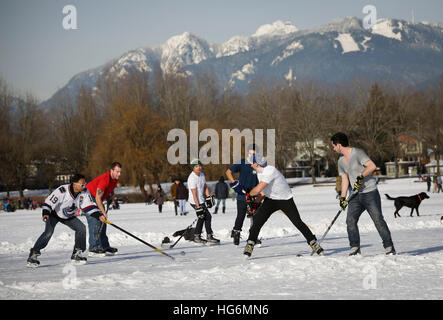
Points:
(247, 180)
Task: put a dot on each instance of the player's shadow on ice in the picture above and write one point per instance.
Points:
(332, 251)
(418, 252)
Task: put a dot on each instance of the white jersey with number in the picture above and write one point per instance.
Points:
(65, 205)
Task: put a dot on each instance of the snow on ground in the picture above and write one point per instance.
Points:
(220, 272)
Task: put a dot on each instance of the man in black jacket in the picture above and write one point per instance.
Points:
(221, 193)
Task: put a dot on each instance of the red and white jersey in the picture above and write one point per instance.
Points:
(65, 205)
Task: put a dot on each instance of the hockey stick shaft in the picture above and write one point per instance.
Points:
(142, 241)
(354, 192)
(101, 226)
(189, 227)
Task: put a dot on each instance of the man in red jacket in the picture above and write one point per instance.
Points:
(100, 188)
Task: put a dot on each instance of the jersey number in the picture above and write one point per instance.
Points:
(53, 199)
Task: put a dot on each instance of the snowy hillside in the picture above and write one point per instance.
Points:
(396, 50)
(220, 272)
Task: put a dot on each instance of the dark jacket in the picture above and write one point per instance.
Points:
(221, 190)
(182, 192)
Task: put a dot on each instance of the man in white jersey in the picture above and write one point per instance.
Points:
(355, 168)
(64, 205)
(200, 199)
(277, 195)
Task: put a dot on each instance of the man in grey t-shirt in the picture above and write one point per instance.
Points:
(355, 168)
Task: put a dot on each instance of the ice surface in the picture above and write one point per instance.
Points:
(220, 272)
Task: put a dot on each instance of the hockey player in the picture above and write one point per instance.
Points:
(277, 195)
(201, 199)
(100, 188)
(355, 167)
(246, 181)
(64, 205)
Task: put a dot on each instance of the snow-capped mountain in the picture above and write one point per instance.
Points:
(397, 50)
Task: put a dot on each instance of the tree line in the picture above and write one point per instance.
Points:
(128, 121)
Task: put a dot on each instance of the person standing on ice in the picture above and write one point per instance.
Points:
(247, 180)
(201, 199)
(277, 195)
(355, 168)
(100, 188)
(64, 205)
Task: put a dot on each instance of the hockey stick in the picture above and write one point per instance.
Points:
(144, 242)
(189, 227)
(101, 226)
(353, 193)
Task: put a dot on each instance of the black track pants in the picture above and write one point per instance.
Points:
(268, 207)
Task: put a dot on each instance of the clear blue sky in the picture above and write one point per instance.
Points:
(38, 55)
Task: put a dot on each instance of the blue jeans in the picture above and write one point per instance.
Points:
(371, 202)
(182, 206)
(95, 242)
(223, 201)
(73, 223)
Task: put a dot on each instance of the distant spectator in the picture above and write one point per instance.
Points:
(173, 192)
(182, 195)
(233, 194)
(428, 182)
(338, 186)
(9, 206)
(221, 193)
(439, 184)
(159, 198)
(435, 184)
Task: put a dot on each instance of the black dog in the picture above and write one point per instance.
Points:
(412, 202)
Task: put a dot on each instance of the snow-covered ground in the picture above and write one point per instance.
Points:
(220, 272)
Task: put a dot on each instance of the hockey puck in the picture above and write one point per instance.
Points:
(182, 253)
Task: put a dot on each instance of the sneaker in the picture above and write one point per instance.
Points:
(354, 251)
(390, 251)
(96, 253)
(236, 235)
(249, 248)
(111, 251)
(316, 247)
(77, 257)
(32, 259)
(210, 239)
(198, 239)
(258, 243)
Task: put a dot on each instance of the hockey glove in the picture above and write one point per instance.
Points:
(200, 212)
(251, 205)
(343, 203)
(210, 201)
(237, 187)
(358, 183)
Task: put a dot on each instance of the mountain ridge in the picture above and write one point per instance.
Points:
(393, 49)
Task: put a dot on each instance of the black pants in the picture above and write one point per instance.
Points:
(206, 221)
(268, 207)
(241, 214)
